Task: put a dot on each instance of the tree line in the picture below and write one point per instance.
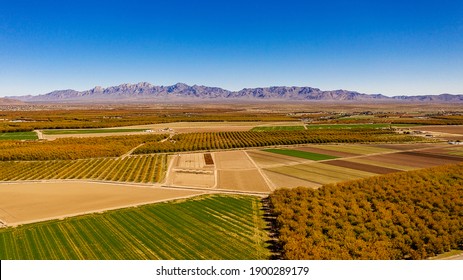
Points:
(406, 215)
(244, 139)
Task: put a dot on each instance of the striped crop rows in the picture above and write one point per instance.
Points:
(243, 139)
(139, 169)
(210, 227)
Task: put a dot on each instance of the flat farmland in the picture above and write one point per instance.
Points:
(265, 159)
(362, 167)
(321, 173)
(188, 127)
(319, 150)
(413, 159)
(368, 161)
(452, 129)
(301, 154)
(29, 202)
(232, 160)
(88, 131)
(235, 171)
(242, 180)
(357, 149)
(286, 181)
(202, 228)
(277, 128)
(28, 135)
(191, 170)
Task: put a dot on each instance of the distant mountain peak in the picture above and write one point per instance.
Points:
(145, 92)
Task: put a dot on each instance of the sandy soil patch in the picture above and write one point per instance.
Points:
(232, 160)
(284, 181)
(266, 159)
(31, 202)
(242, 180)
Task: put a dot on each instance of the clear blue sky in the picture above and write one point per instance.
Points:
(390, 47)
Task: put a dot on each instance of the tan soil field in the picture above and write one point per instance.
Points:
(357, 149)
(242, 180)
(31, 202)
(284, 181)
(232, 160)
(266, 159)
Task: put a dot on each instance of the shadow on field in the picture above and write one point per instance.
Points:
(271, 227)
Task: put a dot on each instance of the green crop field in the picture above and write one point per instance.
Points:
(89, 131)
(28, 135)
(300, 154)
(207, 227)
(277, 128)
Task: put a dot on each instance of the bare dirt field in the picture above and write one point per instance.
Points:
(232, 160)
(31, 202)
(285, 181)
(266, 159)
(242, 180)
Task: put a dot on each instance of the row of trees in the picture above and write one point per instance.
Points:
(243, 139)
(408, 215)
(74, 148)
(141, 169)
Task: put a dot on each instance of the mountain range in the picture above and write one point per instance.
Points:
(145, 92)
